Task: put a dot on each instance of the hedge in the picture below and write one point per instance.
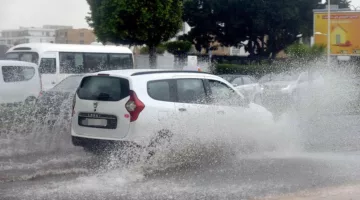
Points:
(254, 70)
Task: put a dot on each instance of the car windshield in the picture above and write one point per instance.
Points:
(23, 56)
(68, 84)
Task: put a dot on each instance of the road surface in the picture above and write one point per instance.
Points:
(44, 165)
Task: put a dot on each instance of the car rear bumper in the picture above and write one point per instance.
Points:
(90, 143)
(83, 139)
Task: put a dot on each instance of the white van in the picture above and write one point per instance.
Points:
(20, 82)
(58, 61)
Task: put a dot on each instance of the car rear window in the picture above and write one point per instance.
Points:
(103, 88)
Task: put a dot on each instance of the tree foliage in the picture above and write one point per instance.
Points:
(301, 51)
(178, 47)
(341, 3)
(135, 22)
(160, 49)
(263, 27)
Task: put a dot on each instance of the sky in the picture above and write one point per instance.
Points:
(35, 13)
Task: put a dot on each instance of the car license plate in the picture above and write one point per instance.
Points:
(96, 122)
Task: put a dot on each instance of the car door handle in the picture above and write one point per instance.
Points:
(182, 109)
(220, 112)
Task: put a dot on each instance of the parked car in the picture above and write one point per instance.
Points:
(246, 84)
(141, 107)
(20, 82)
(57, 101)
(291, 86)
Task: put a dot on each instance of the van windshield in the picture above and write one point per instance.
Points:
(32, 57)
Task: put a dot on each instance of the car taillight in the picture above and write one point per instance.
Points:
(73, 105)
(134, 106)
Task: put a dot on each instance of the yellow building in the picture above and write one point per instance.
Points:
(338, 35)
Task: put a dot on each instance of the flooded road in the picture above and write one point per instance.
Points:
(329, 156)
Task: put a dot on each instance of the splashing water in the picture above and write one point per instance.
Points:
(202, 148)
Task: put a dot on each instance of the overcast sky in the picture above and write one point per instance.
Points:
(15, 13)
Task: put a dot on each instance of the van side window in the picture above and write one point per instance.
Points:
(120, 61)
(47, 66)
(191, 91)
(159, 90)
(71, 63)
(17, 73)
(94, 62)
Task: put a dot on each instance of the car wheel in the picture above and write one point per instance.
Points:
(161, 139)
(30, 101)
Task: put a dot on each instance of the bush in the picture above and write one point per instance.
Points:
(301, 51)
(178, 47)
(254, 70)
(159, 49)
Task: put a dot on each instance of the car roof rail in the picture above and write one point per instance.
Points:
(168, 71)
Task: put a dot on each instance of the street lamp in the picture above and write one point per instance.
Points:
(299, 36)
(328, 36)
(328, 46)
(320, 33)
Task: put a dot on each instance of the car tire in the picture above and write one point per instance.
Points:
(30, 101)
(162, 138)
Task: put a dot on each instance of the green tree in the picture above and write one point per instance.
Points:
(302, 51)
(179, 49)
(160, 49)
(135, 22)
(263, 27)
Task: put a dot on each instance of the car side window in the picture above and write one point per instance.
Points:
(159, 90)
(247, 80)
(253, 80)
(237, 81)
(221, 94)
(191, 91)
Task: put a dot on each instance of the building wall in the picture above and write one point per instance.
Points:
(75, 36)
(26, 35)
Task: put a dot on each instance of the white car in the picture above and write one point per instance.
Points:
(289, 85)
(20, 82)
(245, 84)
(140, 106)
